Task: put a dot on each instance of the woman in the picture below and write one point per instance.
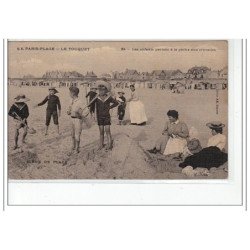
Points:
(212, 155)
(136, 108)
(174, 136)
(177, 132)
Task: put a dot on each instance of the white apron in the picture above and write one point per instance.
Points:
(175, 145)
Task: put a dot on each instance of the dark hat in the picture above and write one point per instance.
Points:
(21, 98)
(53, 88)
(215, 125)
(74, 90)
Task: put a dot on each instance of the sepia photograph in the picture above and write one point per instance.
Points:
(117, 110)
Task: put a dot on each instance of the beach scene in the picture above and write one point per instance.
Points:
(188, 77)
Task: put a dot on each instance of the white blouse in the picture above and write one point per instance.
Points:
(218, 140)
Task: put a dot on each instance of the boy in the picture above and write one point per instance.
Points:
(20, 112)
(53, 105)
(121, 107)
(75, 111)
(104, 102)
(92, 94)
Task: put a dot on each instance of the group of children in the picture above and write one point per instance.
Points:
(100, 103)
(121, 100)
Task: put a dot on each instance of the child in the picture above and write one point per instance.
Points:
(104, 102)
(75, 111)
(53, 105)
(122, 106)
(92, 94)
(20, 112)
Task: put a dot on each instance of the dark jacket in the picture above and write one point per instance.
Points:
(53, 102)
(21, 111)
(103, 107)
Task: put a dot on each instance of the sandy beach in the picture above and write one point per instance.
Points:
(46, 157)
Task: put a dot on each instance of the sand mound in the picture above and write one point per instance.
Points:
(127, 160)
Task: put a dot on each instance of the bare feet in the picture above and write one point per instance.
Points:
(71, 152)
(100, 147)
(108, 147)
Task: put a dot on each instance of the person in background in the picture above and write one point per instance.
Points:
(121, 107)
(136, 108)
(91, 95)
(53, 105)
(104, 103)
(175, 131)
(75, 111)
(20, 112)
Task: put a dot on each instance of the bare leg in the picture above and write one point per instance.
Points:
(101, 130)
(16, 139)
(77, 146)
(57, 129)
(109, 137)
(46, 130)
(25, 131)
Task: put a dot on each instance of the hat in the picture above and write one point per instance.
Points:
(74, 90)
(21, 98)
(215, 124)
(119, 99)
(53, 88)
(105, 84)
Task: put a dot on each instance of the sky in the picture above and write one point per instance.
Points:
(105, 57)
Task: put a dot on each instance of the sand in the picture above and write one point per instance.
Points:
(45, 157)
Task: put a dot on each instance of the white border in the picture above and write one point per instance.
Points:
(165, 192)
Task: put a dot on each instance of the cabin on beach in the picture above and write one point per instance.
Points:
(196, 78)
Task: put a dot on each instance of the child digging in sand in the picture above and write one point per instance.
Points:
(20, 112)
(104, 102)
(52, 107)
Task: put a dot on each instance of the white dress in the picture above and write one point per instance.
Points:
(137, 109)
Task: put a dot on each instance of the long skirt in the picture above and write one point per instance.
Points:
(175, 145)
(207, 158)
(137, 112)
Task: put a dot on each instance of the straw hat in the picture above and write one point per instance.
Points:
(215, 124)
(53, 88)
(105, 84)
(21, 98)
